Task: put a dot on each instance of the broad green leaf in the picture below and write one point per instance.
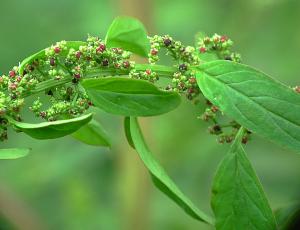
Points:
(130, 97)
(129, 34)
(160, 178)
(54, 129)
(92, 134)
(238, 199)
(287, 217)
(14, 153)
(254, 100)
(127, 131)
(41, 54)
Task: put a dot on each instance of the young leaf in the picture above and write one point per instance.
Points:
(127, 131)
(41, 54)
(253, 99)
(130, 97)
(129, 34)
(54, 129)
(14, 153)
(92, 134)
(160, 178)
(238, 199)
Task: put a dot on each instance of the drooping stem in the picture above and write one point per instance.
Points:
(162, 71)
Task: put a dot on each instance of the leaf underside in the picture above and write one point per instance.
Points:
(54, 129)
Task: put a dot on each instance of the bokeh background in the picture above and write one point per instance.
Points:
(65, 185)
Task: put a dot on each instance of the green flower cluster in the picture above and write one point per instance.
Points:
(218, 45)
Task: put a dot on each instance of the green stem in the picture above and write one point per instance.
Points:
(163, 71)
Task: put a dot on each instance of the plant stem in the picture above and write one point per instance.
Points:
(163, 71)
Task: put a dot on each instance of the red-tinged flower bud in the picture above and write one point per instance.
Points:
(148, 71)
(78, 54)
(192, 80)
(19, 78)
(126, 64)
(202, 49)
(190, 90)
(77, 75)
(224, 38)
(12, 73)
(101, 48)
(57, 49)
(13, 86)
(154, 52)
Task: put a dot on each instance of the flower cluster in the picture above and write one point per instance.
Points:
(225, 132)
(60, 61)
(184, 57)
(218, 45)
(56, 71)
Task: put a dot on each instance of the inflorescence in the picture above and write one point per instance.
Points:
(64, 66)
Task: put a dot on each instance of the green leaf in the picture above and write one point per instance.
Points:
(14, 153)
(238, 199)
(41, 54)
(129, 34)
(160, 178)
(254, 100)
(130, 97)
(92, 134)
(127, 131)
(287, 217)
(54, 129)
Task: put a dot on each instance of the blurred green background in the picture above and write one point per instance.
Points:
(66, 185)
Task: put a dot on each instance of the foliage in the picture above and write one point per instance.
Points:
(78, 75)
